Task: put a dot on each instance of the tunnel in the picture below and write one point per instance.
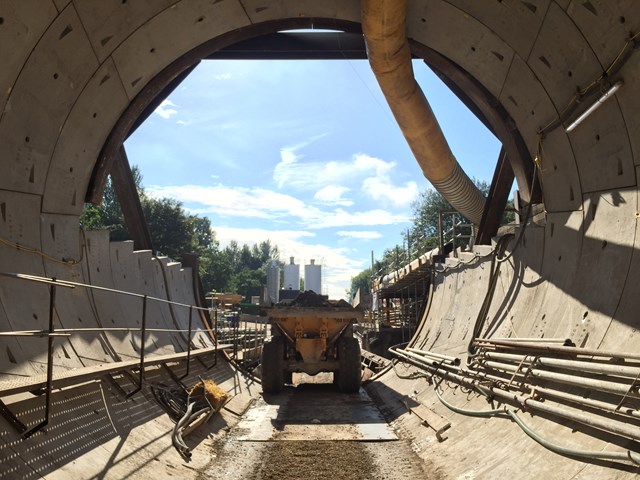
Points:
(556, 81)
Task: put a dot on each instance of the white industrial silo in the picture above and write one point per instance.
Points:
(313, 277)
(291, 276)
(273, 281)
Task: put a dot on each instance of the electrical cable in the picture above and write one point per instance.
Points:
(572, 452)
(575, 99)
(627, 455)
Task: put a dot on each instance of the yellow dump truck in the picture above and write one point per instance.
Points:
(312, 335)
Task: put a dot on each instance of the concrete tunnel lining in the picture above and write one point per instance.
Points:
(72, 68)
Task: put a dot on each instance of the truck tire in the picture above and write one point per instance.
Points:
(273, 365)
(350, 369)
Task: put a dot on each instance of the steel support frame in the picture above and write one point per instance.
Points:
(127, 192)
(496, 200)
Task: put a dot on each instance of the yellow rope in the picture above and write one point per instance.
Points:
(24, 248)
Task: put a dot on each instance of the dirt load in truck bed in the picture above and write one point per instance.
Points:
(310, 299)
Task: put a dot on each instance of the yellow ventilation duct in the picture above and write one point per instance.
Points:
(384, 27)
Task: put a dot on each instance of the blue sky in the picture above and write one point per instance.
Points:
(304, 153)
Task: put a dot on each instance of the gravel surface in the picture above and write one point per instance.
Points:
(315, 461)
(283, 457)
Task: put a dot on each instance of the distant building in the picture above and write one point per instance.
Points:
(291, 276)
(313, 277)
(273, 281)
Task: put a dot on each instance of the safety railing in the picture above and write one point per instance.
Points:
(52, 332)
(459, 235)
(246, 338)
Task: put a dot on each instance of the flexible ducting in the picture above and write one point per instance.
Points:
(384, 27)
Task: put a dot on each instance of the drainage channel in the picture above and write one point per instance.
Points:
(312, 431)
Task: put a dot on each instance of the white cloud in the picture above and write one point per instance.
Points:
(382, 189)
(262, 203)
(337, 267)
(359, 234)
(164, 111)
(373, 174)
(223, 76)
(332, 195)
(184, 122)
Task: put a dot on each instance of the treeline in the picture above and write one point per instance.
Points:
(234, 268)
(421, 236)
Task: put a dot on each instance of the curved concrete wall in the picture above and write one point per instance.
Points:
(71, 68)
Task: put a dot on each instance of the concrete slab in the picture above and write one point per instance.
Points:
(314, 412)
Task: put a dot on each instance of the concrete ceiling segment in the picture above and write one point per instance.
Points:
(608, 26)
(263, 11)
(61, 4)
(561, 58)
(84, 132)
(603, 153)
(109, 22)
(531, 109)
(517, 22)
(463, 39)
(605, 24)
(171, 34)
(22, 23)
(48, 85)
(144, 37)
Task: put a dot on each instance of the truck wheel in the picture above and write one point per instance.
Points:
(273, 365)
(350, 369)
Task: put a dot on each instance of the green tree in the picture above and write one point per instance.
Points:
(423, 235)
(238, 269)
(362, 281)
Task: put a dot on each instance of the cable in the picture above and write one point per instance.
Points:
(470, 413)
(413, 376)
(575, 99)
(627, 456)
(23, 248)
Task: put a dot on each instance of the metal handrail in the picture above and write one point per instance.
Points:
(52, 332)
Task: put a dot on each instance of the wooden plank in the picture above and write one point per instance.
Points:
(429, 418)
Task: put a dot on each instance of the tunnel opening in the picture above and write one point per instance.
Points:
(572, 276)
